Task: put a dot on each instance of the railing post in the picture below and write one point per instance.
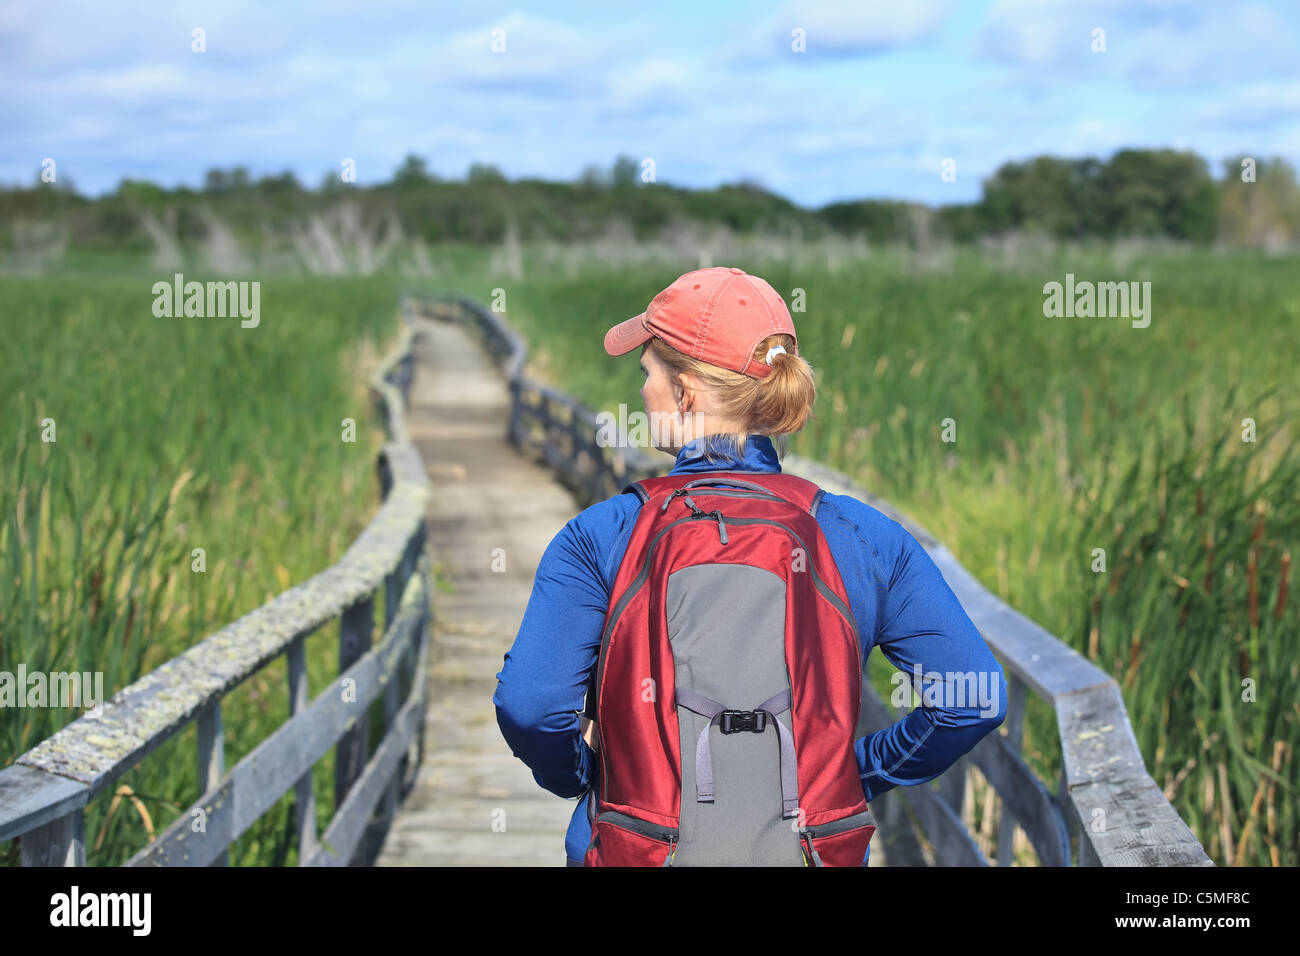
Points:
(422, 635)
(304, 797)
(60, 842)
(385, 472)
(370, 841)
(513, 427)
(1015, 727)
(1067, 811)
(952, 785)
(352, 751)
(394, 585)
(212, 757)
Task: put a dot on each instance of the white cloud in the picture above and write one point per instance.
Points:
(539, 55)
(1150, 44)
(836, 29)
(1261, 104)
(115, 91)
(854, 28)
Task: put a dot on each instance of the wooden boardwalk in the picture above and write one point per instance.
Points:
(486, 495)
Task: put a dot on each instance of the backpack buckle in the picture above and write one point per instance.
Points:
(737, 721)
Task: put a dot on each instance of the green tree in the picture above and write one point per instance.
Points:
(1160, 192)
(1264, 212)
(624, 174)
(412, 172)
(485, 173)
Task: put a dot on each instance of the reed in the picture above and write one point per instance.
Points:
(173, 435)
(1072, 435)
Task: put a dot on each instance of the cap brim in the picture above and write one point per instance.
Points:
(627, 336)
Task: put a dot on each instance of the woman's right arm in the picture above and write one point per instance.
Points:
(542, 685)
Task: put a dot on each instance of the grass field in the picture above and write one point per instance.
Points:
(173, 435)
(1072, 434)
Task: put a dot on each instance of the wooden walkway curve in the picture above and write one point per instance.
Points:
(486, 495)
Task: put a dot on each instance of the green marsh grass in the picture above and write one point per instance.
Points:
(171, 435)
(1072, 434)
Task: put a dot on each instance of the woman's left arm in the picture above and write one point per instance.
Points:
(542, 685)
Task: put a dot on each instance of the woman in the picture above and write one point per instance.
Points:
(721, 365)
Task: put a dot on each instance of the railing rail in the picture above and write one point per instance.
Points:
(1105, 799)
(43, 794)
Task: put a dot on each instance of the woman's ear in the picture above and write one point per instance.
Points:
(684, 391)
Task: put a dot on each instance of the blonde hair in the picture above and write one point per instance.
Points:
(777, 406)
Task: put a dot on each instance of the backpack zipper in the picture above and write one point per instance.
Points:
(725, 492)
(616, 818)
(722, 528)
(638, 826)
(854, 822)
(697, 512)
(812, 850)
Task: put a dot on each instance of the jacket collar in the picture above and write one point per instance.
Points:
(760, 455)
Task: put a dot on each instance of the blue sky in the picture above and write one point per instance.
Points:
(712, 92)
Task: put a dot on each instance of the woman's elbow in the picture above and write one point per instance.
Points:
(994, 710)
(516, 716)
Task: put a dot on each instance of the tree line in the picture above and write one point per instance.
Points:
(1149, 193)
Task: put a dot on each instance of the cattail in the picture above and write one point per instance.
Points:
(1279, 747)
(1281, 586)
(1134, 655)
(130, 620)
(1226, 817)
(1252, 583)
(1209, 558)
(1249, 829)
(1094, 633)
(96, 583)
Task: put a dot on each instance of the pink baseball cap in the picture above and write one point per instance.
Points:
(717, 315)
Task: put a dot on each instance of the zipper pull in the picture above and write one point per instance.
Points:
(669, 499)
(816, 857)
(722, 528)
(672, 848)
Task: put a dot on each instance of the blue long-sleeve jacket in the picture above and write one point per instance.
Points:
(899, 600)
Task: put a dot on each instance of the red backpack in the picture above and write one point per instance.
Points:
(728, 684)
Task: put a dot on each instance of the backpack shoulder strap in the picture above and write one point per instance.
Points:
(638, 489)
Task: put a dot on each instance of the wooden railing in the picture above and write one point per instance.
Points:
(1105, 800)
(43, 794)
